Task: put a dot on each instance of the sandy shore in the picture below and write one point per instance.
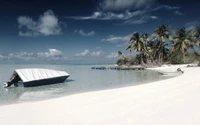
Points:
(173, 101)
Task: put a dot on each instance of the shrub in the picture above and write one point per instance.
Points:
(122, 61)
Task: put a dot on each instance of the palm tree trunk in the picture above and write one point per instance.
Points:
(141, 59)
(161, 58)
(183, 57)
(161, 54)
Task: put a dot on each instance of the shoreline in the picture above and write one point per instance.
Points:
(119, 80)
(154, 103)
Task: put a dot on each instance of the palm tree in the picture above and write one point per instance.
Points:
(198, 31)
(138, 44)
(122, 59)
(197, 36)
(160, 34)
(129, 48)
(120, 55)
(145, 50)
(135, 42)
(182, 40)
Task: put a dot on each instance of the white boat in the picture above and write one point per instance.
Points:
(170, 73)
(175, 73)
(36, 77)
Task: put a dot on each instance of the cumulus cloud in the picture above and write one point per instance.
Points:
(84, 53)
(116, 5)
(82, 33)
(3, 57)
(22, 56)
(55, 52)
(43, 54)
(97, 53)
(52, 54)
(47, 24)
(112, 55)
(89, 53)
(114, 39)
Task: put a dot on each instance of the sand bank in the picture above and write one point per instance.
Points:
(173, 101)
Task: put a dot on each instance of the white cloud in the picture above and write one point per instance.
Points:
(121, 41)
(191, 25)
(43, 54)
(97, 53)
(84, 53)
(55, 52)
(114, 39)
(116, 5)
(167, 7)
(92, 33)
(129, 11)
(109, 15)
(27, 34)
(52, 54)
(22, 56)
(1, 56)
(123, 45)
(141, 20)
(82, 33)
(88, 53)
(47, 24)
(112, 55)
(153, 17)
(177, 12)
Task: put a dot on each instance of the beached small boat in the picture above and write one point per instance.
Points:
(170, 73)
(36, 77)
(175, 73)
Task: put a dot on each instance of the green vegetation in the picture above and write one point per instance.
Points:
(163, 47)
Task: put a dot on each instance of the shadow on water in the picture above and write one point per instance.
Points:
(69, 80)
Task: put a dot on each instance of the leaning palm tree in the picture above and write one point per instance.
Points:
(182, 41)
(160, 34)
(129, 48)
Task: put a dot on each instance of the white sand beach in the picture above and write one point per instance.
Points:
(175, 101)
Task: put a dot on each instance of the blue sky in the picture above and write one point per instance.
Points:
(89, 31)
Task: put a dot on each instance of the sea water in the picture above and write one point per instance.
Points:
(82, 79)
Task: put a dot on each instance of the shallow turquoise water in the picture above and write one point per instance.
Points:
(82, 79)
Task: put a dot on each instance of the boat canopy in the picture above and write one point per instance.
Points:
(34, 74)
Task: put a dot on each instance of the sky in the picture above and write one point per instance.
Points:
(83, 31)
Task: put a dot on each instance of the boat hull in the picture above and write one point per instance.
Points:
(45, 81)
